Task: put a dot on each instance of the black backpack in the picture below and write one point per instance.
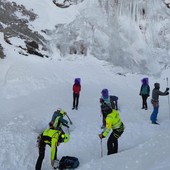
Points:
(68, 162)
(112, 102)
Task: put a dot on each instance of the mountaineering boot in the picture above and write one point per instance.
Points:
(73, 108)
(156, 123)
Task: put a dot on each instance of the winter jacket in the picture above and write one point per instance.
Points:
(156, 93)
(58, 120)
(76, 88)
(51, 137)
(114, 122)
(145, 90)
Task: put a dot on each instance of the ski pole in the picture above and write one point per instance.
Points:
(69, 119)
(101, 148)
(168, 96)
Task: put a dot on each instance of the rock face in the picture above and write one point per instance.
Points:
(2, 55)
(12, 26)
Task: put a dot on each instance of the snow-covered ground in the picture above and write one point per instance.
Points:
(32, 88)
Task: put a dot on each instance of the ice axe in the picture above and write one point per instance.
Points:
(101, 148)
(168, 96)
(69, 119)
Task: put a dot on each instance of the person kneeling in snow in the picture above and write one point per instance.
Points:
(53, 138)
(57, 119)
(113, 122)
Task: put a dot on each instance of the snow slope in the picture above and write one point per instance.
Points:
(32, 88)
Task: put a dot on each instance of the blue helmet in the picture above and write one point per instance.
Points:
(105, 93)
(77, 81)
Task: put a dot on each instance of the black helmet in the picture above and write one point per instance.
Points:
(157, 85)
(106, 109)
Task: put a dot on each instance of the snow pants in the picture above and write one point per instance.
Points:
(112, 143)
(144, 101)
(75, 100)
(42, 146)
(154, 114)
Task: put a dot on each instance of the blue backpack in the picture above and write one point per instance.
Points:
(68, 162)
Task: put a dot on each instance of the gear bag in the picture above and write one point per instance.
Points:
(114, 103)
(68, 162)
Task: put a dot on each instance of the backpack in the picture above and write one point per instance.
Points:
(68, 162)
(113, 102)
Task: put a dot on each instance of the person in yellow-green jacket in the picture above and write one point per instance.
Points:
(58, 120)
(114, 123)
(53, 138)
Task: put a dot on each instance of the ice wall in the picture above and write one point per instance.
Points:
(132, 34)
(139, 31)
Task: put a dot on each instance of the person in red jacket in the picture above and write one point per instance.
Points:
(76, 93)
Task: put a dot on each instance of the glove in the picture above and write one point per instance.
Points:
(140, 94)
(167, 89)
(101, 136)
